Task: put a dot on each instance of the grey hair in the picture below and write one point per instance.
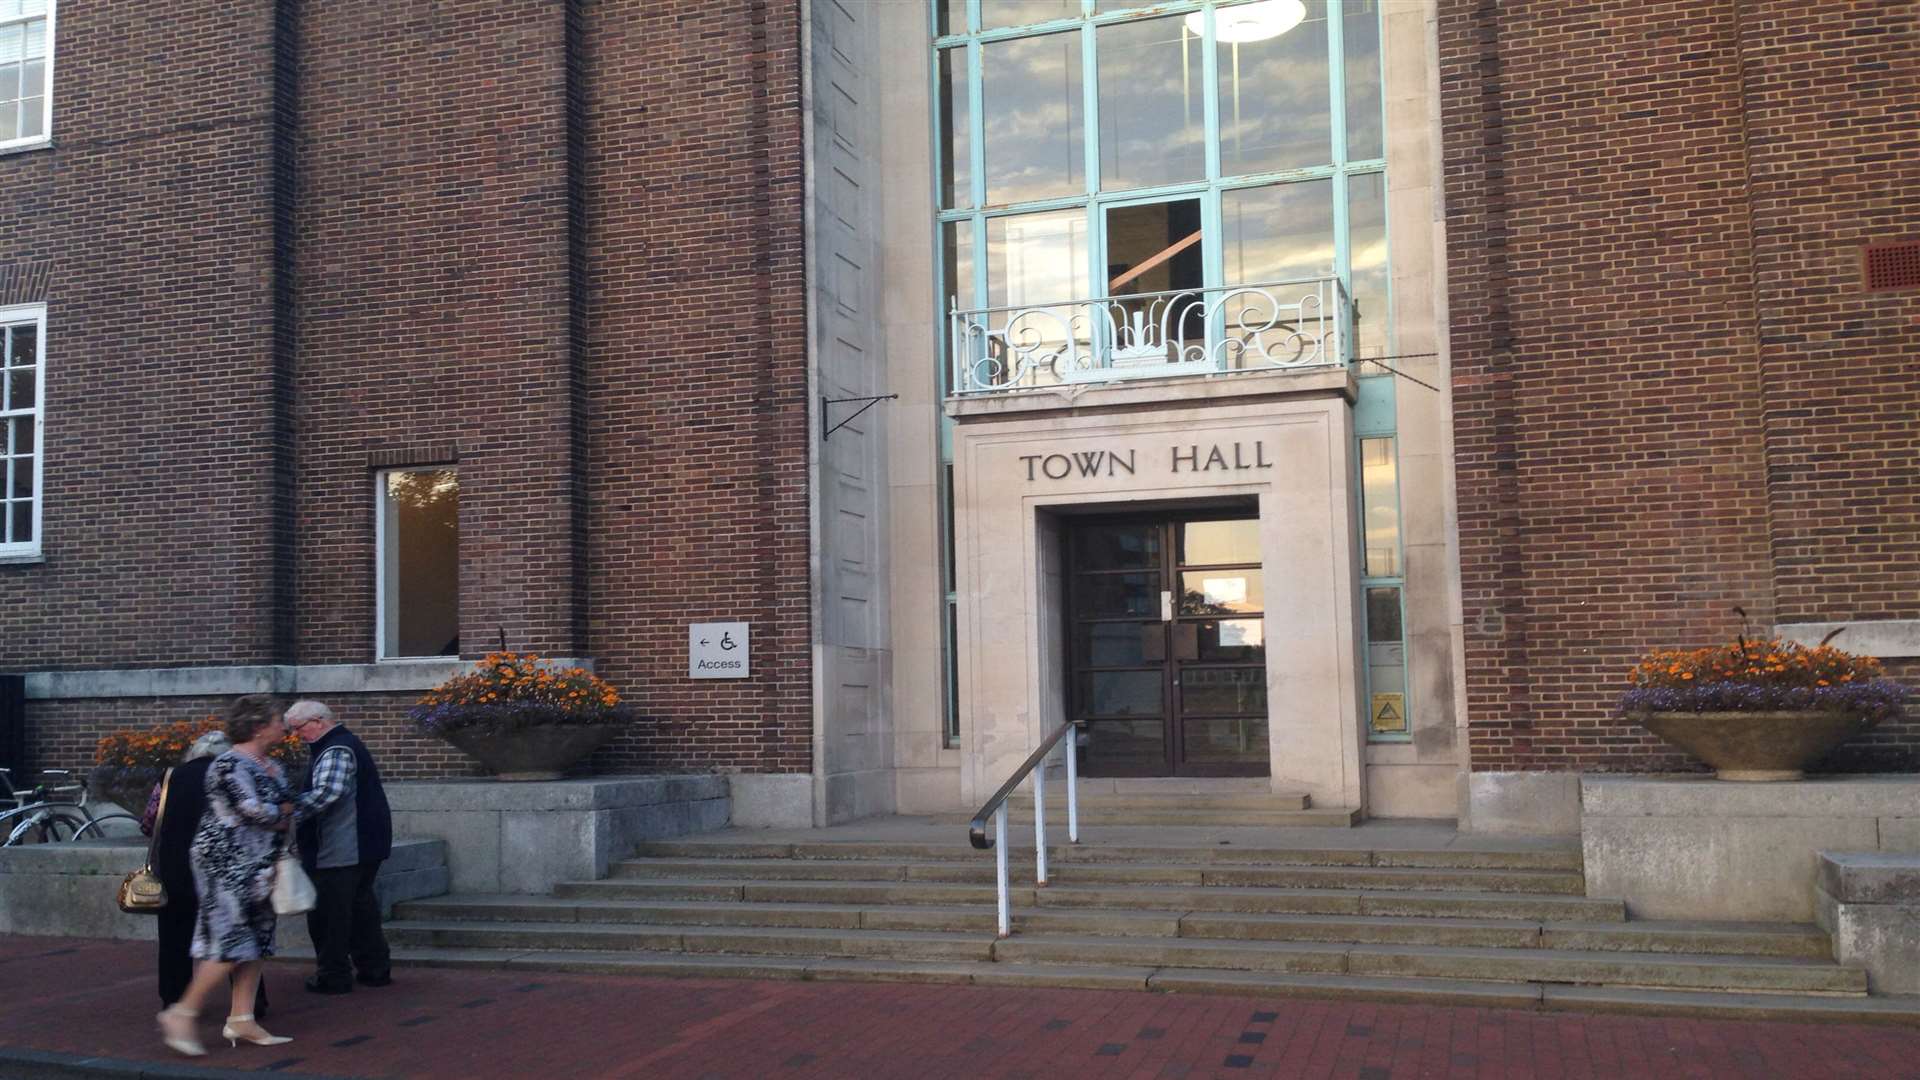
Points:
(212, 744)
(308, 709)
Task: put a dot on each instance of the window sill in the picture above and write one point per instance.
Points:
(26, 147)
(21, 558)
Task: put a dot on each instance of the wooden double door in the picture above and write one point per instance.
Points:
(1166, 626)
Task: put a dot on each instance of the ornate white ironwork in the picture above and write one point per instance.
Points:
(1285, 324)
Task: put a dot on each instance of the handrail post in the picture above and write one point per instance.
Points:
(1000, 867)
(1040, 824)
(1073, 786)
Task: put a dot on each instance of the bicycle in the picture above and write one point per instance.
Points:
(50, 811)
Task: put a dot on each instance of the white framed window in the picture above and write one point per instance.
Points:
(26, 72)
(23, 360)
(417, 545)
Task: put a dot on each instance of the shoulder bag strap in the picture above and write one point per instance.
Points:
(160, 815)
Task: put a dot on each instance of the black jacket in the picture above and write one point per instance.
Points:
(179, 820)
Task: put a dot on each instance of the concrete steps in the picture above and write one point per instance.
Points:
(1473, 963)
(1760, 939)
(1490, 924)
(1111, 814)
(976, 871)
(1510, 994)
(1459, 904)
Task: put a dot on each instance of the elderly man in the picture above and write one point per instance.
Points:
(345, 832)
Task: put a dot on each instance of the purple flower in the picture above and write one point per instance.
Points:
(1874, 699)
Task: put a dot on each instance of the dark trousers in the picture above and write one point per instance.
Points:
(176, 944)
(345, 924)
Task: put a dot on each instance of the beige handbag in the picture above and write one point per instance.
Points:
(141, 892)
(293, 890)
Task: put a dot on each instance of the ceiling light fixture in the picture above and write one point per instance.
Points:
(1250, 22)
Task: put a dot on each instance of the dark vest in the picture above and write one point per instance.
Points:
(373, 821)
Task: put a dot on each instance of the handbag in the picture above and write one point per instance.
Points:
(140, 891)
(293, 890)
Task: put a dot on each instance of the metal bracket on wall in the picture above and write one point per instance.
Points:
(866, 403)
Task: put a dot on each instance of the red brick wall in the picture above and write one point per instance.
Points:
(1834, 123)
(697, 377)
(151, 219)
(433, 301)
(1660, 347)
(558, 246)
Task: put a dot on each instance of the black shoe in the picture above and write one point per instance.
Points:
(382, 979)
(318, 985)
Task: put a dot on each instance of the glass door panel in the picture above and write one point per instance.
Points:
(1156, 269)
(1166, 682)
(1035, 260)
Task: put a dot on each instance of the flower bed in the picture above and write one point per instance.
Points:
(127, 763)
(1770, 675)
(1760, 710)
(521, 717)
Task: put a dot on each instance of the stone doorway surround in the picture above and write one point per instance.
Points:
(1022, 462)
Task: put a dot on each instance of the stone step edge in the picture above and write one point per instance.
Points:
(1699, 960)
(907, 864)
(1092, 887)
(451, 906)
(1566, 861)
(1709, 1004)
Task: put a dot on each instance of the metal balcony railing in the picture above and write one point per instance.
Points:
(1232, 328)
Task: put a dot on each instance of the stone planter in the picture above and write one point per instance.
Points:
(545, 752)
(123, 787)
(1756, 746)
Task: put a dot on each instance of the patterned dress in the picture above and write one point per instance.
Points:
(233, 856)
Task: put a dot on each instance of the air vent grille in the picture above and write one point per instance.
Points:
(1891, 267)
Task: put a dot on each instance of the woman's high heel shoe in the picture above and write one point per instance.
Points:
(176, 1030)
(258, 1036)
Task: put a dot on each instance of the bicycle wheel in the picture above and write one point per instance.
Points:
(60, 826)
(93, 827)
(28, 826)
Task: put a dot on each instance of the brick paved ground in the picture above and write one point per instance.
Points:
(96, 998)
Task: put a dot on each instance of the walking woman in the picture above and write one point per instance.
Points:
(243, 833)
(185, 804)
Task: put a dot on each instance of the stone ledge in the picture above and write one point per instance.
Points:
(1885, 638)
(283, 679)
(1870, 877)
(1870, 903)
(68, 890)
(1687, 795)
(588, 793)
(1698, 848)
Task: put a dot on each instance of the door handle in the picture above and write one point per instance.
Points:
(1186, 641)
(1166, 605)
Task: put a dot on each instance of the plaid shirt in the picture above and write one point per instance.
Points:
(332, 780)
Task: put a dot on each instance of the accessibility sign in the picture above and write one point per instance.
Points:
(717, 650)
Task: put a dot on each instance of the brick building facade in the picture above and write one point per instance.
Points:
(556, 247)
(1674, 394)
(604, 258)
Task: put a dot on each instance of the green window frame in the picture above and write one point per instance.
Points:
(964, 217)
(962, 31)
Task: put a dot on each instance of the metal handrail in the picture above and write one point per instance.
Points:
(996, 807)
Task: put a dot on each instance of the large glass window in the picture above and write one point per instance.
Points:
(22, 386)
(418, 537)
(26, 71)
(1096, 150)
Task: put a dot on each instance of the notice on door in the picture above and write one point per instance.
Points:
(717, 650)
(1389, 712)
